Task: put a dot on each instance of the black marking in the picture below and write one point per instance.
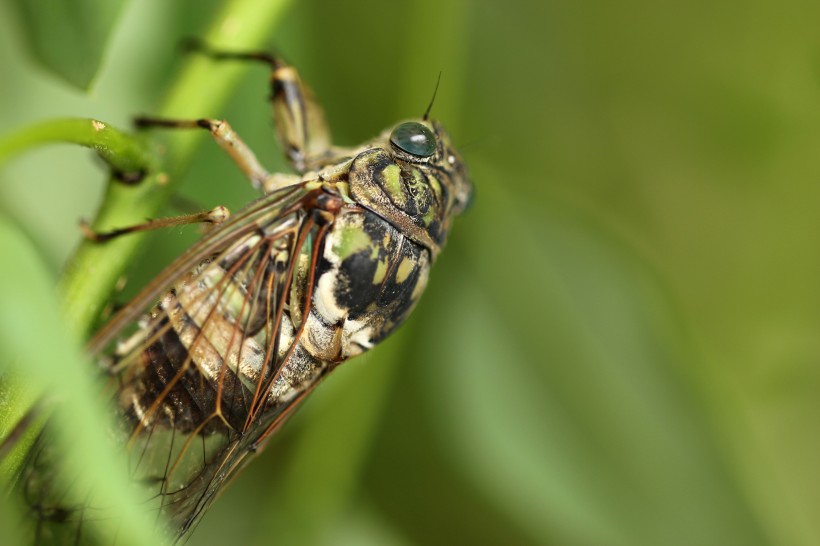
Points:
(129, 178)
(387, 303)
(396, 301)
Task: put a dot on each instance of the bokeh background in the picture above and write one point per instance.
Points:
(619, 345)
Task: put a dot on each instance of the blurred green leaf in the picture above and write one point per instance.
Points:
(26, 310)
(567, 401)
(19, 419)
(10, 522)
(29, 312)
(69, 37)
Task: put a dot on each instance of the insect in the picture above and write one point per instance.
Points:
(210, 359)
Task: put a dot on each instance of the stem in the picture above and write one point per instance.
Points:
(200, 90)
(124, 153)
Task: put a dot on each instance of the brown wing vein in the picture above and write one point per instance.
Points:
(253, 258)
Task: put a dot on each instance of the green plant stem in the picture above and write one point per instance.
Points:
(200, 90)
(30, 374)
(123, 152)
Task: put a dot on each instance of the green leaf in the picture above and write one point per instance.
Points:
(37, 348)
(69, 37)
(27, 312)
(563, 393)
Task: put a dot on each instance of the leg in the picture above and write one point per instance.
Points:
(215, 216)
(227, 139)
(300, 122)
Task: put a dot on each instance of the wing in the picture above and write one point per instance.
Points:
(206, 361)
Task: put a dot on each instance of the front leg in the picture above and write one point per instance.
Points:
(229, 141)
(300, 121)
(224, 135)
(215, 216)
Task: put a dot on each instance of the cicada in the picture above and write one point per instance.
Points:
(209, 360)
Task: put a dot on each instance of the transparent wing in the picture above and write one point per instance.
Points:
(205, 362)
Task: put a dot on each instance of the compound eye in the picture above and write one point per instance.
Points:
(414, 138)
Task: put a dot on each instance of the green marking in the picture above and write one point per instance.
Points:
(391, 182)
(352, 240)
(344, 190)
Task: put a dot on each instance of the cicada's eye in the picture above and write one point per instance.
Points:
(414, 138)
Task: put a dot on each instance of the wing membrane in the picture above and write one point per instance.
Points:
(202, 380)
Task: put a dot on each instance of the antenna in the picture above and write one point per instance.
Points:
(430, 106)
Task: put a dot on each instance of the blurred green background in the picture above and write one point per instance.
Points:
(619, 345)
